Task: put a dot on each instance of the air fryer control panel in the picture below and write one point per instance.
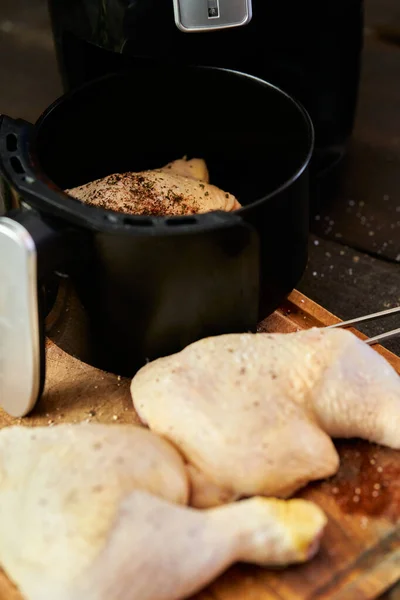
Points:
(203, 15)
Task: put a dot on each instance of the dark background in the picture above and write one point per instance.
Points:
(354, 265)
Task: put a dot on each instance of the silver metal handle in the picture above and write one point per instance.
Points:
(20, 356)
(208, 15)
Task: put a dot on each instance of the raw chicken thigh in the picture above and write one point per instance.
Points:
(179, 188)
(254, 414)
(94, 512)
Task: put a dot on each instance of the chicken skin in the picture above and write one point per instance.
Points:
(254, 414)
(96, 512)
(179, 188)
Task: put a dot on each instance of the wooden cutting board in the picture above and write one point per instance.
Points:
(360, 553)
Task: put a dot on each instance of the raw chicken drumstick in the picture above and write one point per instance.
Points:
(77, 521)
(179, 188)
(254, 414)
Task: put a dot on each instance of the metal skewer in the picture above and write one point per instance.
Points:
(383, 336)
(377, 338)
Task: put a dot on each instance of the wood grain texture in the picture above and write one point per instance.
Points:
(360, 553)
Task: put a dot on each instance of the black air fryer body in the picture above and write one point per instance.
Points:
(311, 49)
(147, 286)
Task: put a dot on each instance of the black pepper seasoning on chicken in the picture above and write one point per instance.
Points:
(171, 190)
